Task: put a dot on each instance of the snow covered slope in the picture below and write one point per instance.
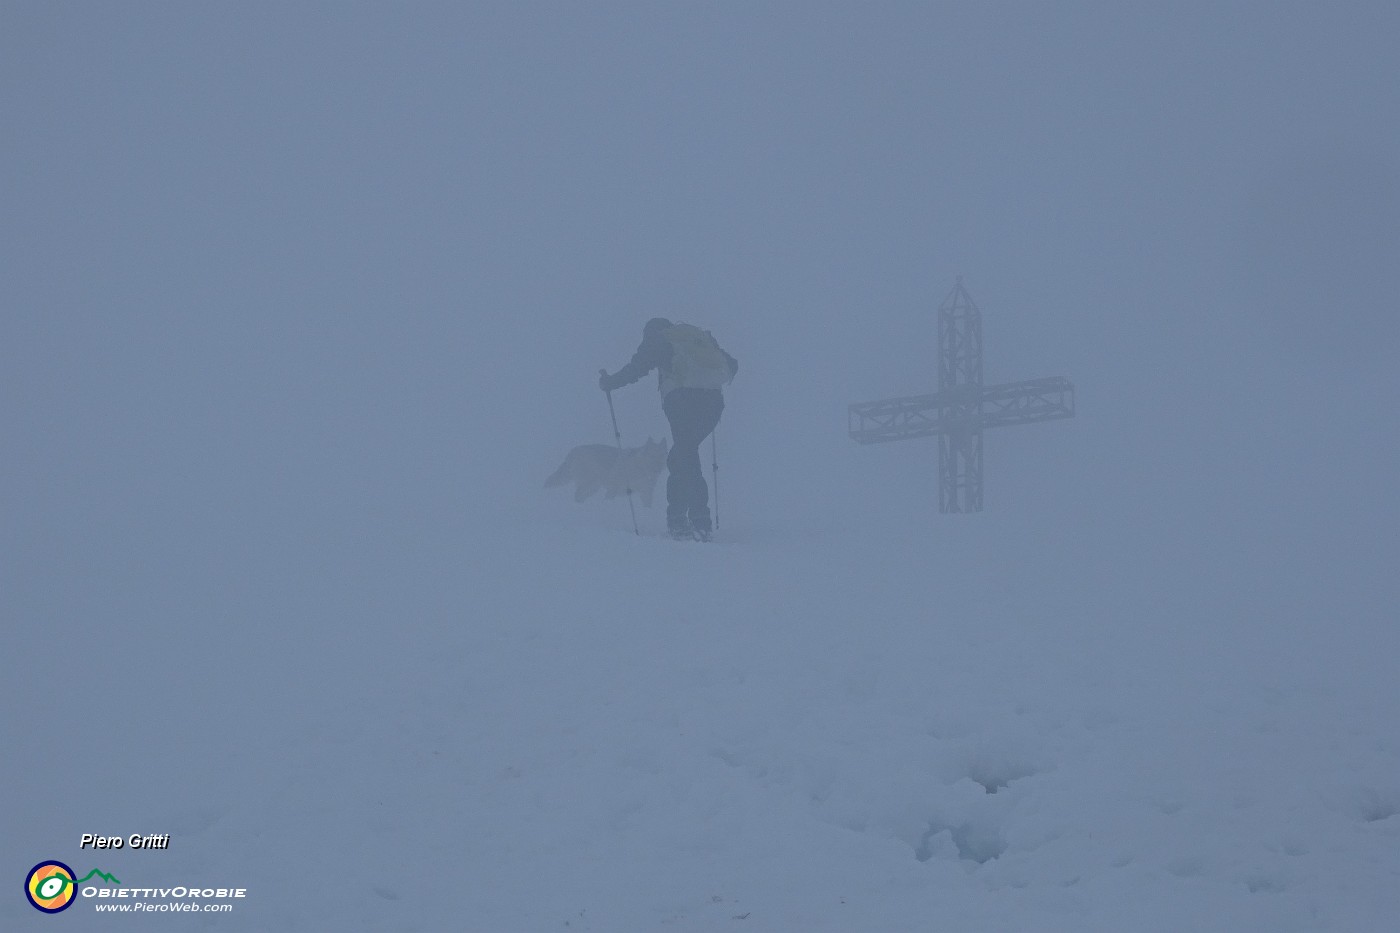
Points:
(550, 727)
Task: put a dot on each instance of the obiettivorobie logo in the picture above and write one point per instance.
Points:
(52, 886)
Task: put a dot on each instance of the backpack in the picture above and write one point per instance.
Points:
(697, 361)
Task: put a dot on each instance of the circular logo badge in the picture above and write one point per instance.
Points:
(50, 887)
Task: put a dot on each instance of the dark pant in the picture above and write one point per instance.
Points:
(693, 414)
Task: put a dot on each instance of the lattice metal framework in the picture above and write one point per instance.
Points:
(962, 408)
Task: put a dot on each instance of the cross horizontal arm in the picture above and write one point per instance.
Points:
(1027, 402)
(898, 419)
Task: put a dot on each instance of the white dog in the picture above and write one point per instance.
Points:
(597, 466)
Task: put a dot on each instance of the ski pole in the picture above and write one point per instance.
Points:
(617, 435)
(714, 472)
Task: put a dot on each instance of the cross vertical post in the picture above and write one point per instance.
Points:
(960, 395)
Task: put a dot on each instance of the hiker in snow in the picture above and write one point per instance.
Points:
(691, 369)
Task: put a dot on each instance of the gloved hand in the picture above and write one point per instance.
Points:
(604, 380)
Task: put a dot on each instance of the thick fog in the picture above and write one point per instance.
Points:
(299, 296)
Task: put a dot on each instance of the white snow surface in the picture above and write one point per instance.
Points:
(907, 727)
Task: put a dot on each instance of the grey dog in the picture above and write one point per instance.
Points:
(614, 470)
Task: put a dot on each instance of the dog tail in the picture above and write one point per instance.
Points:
(559, 476)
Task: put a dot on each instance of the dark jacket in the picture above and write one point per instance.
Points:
(655, 352)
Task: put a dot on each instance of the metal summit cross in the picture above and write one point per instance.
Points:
(962, 408)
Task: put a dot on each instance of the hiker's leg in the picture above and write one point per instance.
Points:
(683, 460)
(709, 406)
